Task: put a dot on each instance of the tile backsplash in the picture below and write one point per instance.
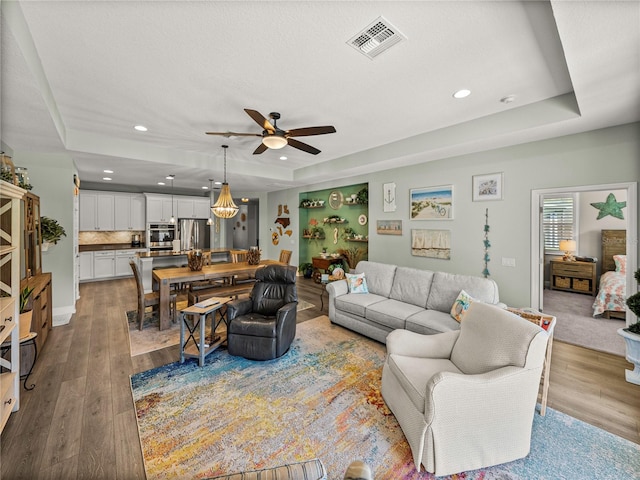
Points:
(93, 238)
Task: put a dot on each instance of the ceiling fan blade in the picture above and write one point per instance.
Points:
(261, 148)
(302, 146)
(305, 132)
(234, 134)
(260, 120)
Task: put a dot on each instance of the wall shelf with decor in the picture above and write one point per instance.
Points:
(361, 240)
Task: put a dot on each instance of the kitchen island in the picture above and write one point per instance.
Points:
(147, 261)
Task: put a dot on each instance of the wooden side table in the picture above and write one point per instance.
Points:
(198, 315)
(323, 263)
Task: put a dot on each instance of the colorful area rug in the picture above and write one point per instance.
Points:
(150, 338)
(322, 400)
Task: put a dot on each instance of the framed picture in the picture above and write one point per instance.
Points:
(389, 197)
(487, 187)
(432, 203)
(389, 227)
(431, 243)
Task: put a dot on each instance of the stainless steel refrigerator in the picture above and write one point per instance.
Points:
(194, 234)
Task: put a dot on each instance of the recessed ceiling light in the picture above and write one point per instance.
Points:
(106, 178)
(283, 158)
(204, 187)
(170, 177)
(218, 183)
(161, 183)
(108, 171)
(462, 93)
(141, 128)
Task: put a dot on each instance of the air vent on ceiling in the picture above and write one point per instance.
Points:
(376, 38)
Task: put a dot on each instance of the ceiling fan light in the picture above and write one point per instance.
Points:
(274, 141)
(224, 206)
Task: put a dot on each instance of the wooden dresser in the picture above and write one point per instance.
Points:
(579, 277)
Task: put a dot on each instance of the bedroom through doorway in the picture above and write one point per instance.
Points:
(568, 290)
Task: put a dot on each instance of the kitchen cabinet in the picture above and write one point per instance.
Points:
(10, 248)
(129, 212)
(160, 208)
(86, 265)
(193, 207)
(104, 264)
(123, 257)
(97, 211)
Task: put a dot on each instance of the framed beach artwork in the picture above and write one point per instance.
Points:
(487, 187)
(431, 243)
(432, 203)
(389, 227)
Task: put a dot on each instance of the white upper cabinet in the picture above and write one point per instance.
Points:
(159, 208)
(190, 207)
(130, 212)
(97, 210)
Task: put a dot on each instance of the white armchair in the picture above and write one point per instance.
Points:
(466, 399)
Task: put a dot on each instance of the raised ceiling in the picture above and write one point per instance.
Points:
(78, 75)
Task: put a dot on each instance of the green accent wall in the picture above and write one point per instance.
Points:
(329, 218)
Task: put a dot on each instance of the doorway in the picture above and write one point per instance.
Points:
(539, 261)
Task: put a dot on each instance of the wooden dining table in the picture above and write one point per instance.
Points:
(165, 277)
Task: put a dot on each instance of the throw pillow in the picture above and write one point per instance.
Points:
(461, 305)
(357, 283)
(621, 263)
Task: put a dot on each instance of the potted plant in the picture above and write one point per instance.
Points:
(52, 232)
(306, 269)
(26, 311)
(631, 336)
(363, 196)
(352, 256)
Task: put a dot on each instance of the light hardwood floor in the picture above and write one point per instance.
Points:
(79, 421)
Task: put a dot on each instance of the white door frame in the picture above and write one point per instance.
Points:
(537, 260)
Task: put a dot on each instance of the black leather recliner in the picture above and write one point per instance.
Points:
(263, 326)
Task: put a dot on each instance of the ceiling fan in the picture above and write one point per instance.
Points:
(274, 137)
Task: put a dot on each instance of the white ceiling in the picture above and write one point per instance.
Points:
(78, 75)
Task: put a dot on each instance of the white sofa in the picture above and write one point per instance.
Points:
(404, 298)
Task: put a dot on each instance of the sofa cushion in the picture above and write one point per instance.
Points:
(391, 313)
(411, 285)
(414, 373)
(379, 276)
(429, 322)
(356, 303)
(478, 348)
(446, 287)
(357, 283)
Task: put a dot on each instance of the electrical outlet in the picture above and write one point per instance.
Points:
(508, 262)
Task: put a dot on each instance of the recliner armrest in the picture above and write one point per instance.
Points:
(239, 307)
(285, 310)
(412, 344)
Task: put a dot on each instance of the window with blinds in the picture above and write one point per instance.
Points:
(559, 219)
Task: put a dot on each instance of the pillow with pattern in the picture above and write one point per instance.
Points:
(621, 263)
(357, 283)
(461, 305)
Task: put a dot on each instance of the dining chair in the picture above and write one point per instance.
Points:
(238, 256)
(146, 300)
(285, 256)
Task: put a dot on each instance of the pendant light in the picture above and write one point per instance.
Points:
(224, 207)
(210, 220)
(173, 218)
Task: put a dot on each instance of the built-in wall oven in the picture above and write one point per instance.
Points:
(161, 236)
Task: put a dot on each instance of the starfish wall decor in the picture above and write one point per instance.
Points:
(610, 207)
